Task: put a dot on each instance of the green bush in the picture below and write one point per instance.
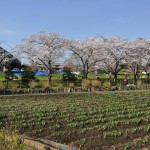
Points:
(9, 75)
(2, 75)
(68, 75)
(27, 76)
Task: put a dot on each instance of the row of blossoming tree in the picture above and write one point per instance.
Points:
(110, 53)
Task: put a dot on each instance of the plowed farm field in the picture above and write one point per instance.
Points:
(102, 121)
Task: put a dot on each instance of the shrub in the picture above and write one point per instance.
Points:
(71, 85)
(139, 82)
(95, 83)
(68, 75)
(2, 86)
(86, 83)
(106, 84)
(60, 85)
(33, 84)
(13, 86)
(27, 76)
(45, 85)
(9, 75)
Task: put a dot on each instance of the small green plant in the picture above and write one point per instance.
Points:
(2, 115)
(126, 146)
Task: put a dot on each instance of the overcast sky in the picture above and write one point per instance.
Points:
(74, 19)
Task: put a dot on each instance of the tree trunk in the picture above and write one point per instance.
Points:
(147, 74)
(135, 79)
(84, 72)
(148, 78)
(115, 78)
(49, 72)
(49, 77)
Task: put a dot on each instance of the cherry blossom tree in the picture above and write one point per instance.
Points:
(86, 52)
(143, 52)
(133, 59)
(43, 49)
(114, 55)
